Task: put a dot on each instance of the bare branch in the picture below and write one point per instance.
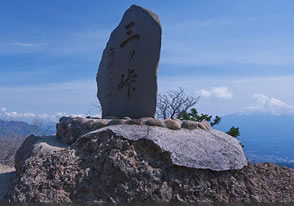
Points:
(172, 103)
(98, 106)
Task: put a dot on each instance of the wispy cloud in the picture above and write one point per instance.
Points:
(218, 92)
(206, 23)
(30, 44)
(86, 44)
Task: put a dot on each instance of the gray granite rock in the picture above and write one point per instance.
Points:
(199, 149)
(127, 75)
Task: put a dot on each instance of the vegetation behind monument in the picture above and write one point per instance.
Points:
(177, 104)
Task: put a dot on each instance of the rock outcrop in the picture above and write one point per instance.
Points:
(35, 146)
(114, 164)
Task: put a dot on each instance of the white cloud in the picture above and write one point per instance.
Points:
(205, 93)
(218, 92)
(29, 117)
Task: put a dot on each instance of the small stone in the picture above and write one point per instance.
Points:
(135, 122)
(189, 124)
(95, 118)
(116, 122)
(100, 123)
(204, 125)
(81, 120)
(172, 124)
(208, 126)
(110, 117)
(126, 118)
(155, 122)
(146, 118)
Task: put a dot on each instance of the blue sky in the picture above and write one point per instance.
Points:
(226, 51)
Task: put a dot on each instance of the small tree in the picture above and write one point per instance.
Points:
(193, 115)
(234, 132)
(173, 103)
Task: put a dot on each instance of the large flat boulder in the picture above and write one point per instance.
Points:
(197, 148)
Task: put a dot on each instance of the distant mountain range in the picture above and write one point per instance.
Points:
(267, 137)
(21, 129)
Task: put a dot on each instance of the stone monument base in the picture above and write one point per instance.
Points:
(138, 163)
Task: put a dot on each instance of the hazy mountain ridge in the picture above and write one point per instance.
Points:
(14, 128)
(267, 137)
(13, 133)
(19, 128)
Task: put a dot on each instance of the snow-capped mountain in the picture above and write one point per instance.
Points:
(267, 130)
(269, 105)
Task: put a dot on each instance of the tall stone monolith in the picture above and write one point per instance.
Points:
(127, 75)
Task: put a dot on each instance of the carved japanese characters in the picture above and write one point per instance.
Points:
(127, 75)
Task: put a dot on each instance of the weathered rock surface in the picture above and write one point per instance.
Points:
(200, 149)
(127, 75)
(111, 166)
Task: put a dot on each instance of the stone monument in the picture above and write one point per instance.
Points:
(127, 75)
